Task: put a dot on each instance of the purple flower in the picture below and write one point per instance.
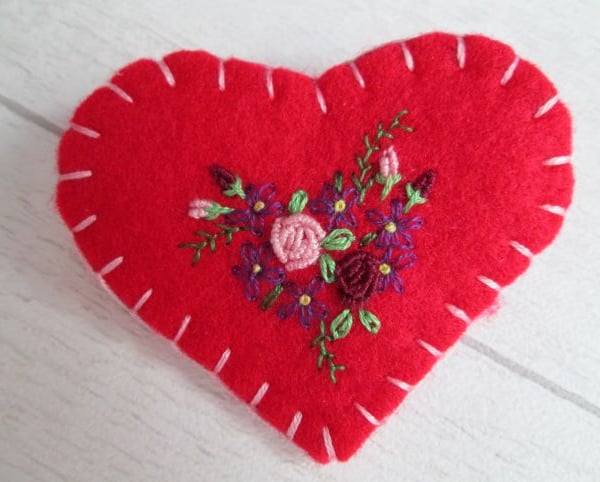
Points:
(305, 305)
(393, 228)
(389, 271)
(259, 201)
(256, 267)
(336, 205)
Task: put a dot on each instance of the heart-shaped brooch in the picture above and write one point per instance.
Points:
(318, 243)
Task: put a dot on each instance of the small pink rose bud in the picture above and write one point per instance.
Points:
(388, 162)
(199, 208)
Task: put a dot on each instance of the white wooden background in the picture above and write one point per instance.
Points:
(86, 393)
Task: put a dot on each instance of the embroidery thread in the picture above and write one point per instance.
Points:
(326, 243)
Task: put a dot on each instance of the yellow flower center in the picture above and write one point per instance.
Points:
(305, 300)
(390, 227)
(258, 206)
(385, 269)
(339, 206)
(256, 268)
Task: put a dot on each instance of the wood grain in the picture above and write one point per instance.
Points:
(88, 394)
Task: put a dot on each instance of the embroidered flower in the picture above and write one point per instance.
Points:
(357, 274)
(260, 204)
(256, 267)
(388, 163)
(305, 305)
(206, 209)
(393, 228)
(296, 240)
(336, 205)
(389, 271)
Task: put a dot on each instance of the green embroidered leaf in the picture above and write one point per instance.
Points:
(341, 324)
(389, 183)
(327, 265)
(356, 182)
(414, 197)
(338, 240)
(367, 239)
(320, 361)
(215, 210)
(369, 321)
(298, 202)
(337, 181)
(271, 297)
(235, 189)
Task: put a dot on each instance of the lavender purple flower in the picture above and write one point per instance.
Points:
(336, 205)
(260, 204)
(304, 303)
(393, 228)
(256, 267)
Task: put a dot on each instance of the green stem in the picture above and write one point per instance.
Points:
(363, 182)
(325, 354)
(210, 240)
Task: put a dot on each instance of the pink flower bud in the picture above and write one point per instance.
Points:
(388, 162)
(199, 208)
(296, 240)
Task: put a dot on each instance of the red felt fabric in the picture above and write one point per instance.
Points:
(152, 158)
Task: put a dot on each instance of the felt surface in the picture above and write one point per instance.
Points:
(152, 157)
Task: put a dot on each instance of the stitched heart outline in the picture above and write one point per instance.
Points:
(139, 149)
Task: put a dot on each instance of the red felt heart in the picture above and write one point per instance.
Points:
(140, 149)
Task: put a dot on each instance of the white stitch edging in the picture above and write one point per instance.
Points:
(184, 324)
(221, 75)
(328, 444)
(546, 106)
(524, 250)
(166, 71)
(430, 348)
(461, 52)
(400, 384)
(458, 313)
(369, 417)
(269, 82)
(408, 58)
(222, 361)
(320, 99)
(490, 283)
(557, 161)
(84, 224)
(110, 266)
(74, 176)
(259, 394)
(294, 424)
(85, 131)
(551, 208)
(357, 75)
(509, 72)
(142, 301)
(120, 92)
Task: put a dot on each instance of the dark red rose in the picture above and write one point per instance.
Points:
(356, 274)
(222, 176)
(424, 182)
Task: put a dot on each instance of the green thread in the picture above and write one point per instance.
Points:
(341, 324)
(235, 189)
(271, 297)
(362, 184)
(337, 181)
(325, 354)
(367, 239)
(327, 265)
(298, 202)
(210, 240)
(215, 210)
(388, 183)
(338, 240)
(414, 197)
(369, 321)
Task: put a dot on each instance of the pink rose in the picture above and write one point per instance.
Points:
(199, 208)
(296, 240)
(388, 162)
